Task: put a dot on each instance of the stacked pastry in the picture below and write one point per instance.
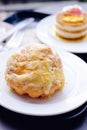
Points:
(71, 23)
(35, 70)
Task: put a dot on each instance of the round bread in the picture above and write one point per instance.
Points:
(35, 70)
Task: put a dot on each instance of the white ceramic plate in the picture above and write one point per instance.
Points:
(71, 97)
(45, 33)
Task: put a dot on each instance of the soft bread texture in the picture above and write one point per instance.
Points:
(70, 35)
(71, 30)
(36, 70)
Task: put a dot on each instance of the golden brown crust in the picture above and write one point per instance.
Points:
(60, 16)
(35, 71)
(70, 39)
(73, 32)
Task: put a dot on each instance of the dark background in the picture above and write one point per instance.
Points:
(24, 1)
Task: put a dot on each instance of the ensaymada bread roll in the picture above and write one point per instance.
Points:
(36, 70)
(71, 23)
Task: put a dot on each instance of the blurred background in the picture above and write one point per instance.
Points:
(23, 1)
(7, 7)
(27, 1)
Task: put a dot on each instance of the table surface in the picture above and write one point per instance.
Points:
(13, 121)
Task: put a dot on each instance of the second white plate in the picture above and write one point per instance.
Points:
(44, 31)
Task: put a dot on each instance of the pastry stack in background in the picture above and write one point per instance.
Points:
(71, 22)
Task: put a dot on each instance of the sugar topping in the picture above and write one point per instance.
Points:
(73, 10)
